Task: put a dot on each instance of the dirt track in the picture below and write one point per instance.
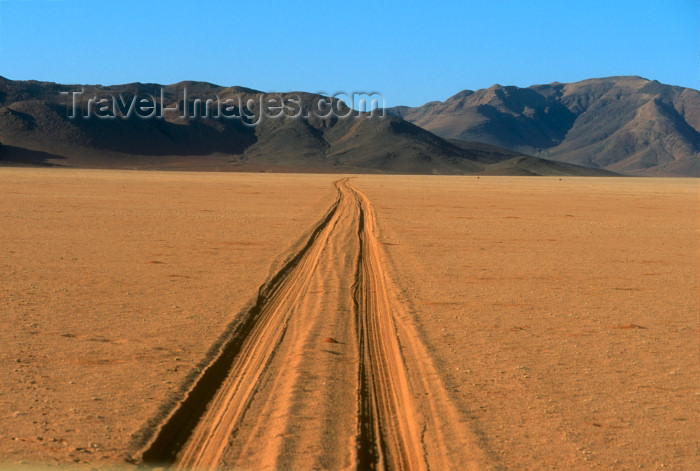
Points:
(561, 315)
(324, 371)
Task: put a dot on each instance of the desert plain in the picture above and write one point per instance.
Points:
(347, 321)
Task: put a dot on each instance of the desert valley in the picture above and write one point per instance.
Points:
(357, 236)
(304, 321)
(504, 280)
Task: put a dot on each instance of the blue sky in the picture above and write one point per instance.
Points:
(411, 52)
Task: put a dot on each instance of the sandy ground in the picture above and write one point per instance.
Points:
(114, 286)
(563, 313)
(522, 323)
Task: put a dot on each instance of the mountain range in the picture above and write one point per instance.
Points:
(626, 125)
(629, 125)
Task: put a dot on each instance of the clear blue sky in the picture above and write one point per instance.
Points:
(411, 52)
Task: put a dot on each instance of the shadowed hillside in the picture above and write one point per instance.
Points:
(50, 124)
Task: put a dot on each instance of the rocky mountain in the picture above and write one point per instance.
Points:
(198, 125)
(623, 124)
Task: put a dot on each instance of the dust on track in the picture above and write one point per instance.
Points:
(403, 416)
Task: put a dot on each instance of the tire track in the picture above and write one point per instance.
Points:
(388, 434)
(303, 413)
(404, 417)
(194, 436)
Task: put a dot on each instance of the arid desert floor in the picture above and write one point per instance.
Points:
(290, 321)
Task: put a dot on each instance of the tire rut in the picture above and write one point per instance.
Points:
(406, 418)
(388, 433)
(175, 436)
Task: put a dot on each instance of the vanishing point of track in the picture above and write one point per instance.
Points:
(280, 394)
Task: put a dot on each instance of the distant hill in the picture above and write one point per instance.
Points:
(35, 129)
(624, 124)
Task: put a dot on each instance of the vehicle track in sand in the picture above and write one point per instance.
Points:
(325, 371)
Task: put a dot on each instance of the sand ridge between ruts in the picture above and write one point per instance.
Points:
(400, 414)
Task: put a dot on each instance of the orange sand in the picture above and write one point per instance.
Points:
(560, 314)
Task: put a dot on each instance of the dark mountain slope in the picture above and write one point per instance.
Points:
(226, 128)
